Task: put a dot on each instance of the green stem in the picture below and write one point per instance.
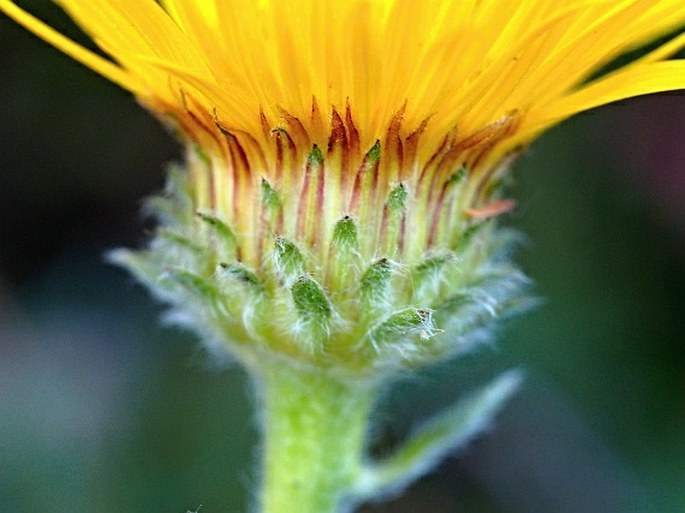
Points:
(314, 429)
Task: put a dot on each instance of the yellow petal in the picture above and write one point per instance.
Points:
(626, 83)
(77, 52)
(463, 63)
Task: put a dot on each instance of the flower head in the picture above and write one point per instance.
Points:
(343, 156)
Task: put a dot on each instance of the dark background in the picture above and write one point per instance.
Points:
(104, 410)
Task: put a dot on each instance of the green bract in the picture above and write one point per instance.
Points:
(360, 315)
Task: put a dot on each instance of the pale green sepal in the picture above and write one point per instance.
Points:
(313, 307)
(394, 214)
(469, 233)
(397, 198)
(288, 259)
(459, 175)
(180, 241)
(431, 265)
(271, 204)
(497, 294)
(223, 235)
(448, 431)
(196, 284)
(428, 276)
(143, 268)
(175, 204)
(375, 283)
(345, 235)
(344, 258)
(373, 155)
(178, 185)
(398, 327)
(164, 209)
(315, 158)
(270, 197)
(244, 275)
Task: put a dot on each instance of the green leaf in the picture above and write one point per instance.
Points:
(448, 431)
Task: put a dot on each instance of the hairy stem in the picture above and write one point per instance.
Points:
(314, 429)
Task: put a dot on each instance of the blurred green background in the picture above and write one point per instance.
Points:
(102, 409)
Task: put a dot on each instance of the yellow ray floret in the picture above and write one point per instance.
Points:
(458, 63)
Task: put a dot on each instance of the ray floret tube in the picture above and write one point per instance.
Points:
(334, 225)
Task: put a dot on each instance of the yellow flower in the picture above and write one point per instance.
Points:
(332, 143)
(459, 63)
(333, 226)
(489, 69)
